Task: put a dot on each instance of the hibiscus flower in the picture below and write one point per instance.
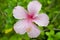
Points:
(28, 18)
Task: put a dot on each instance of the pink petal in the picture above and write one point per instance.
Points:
(35, 32)
(34, 7)
(20, 26)
(42, 20)
(19, 12)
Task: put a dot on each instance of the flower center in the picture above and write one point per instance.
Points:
(30, 16)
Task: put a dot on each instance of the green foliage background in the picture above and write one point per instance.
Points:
(50, 7)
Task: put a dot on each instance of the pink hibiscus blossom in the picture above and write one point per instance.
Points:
(26, 24)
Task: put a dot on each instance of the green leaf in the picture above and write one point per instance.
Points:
(15, 37)
(50, 38)
(57, 36)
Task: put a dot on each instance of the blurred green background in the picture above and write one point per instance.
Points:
(50, 7)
